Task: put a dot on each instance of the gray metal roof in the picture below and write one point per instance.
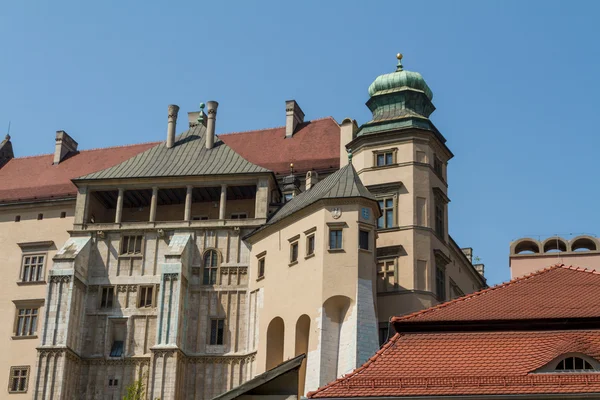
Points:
(188, 157)
(343, 183)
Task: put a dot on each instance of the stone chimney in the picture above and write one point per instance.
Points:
(6, 151)
(210, 125)
(172, 125)
(294, 116)
(348, 130)
(65, 145)
(312, 177)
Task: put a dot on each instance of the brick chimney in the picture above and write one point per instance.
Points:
(6, 151)
(294, 116)
(65, 145)
(172, 124)
(210, 125)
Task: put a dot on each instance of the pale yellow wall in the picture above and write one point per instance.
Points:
(29, 229)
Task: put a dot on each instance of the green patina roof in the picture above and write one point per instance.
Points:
(399, 80)
(188, 157)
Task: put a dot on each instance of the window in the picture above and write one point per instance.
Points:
(117, 348)
(145, 296)
(383, 159)
(239, 216)
(107, 297)
(335, 239)
(293, 252)
(387, 213)
(310, 245)
(211, 267)
(439, 218)
(261, 267)
(26, 323)
(19, 377)
(386, 274)
(440, 283)
(40, 217)
(131, 245)
(363, 239)
(63, 214)
(17, 218)
(287, 197)
(574, 364)
(199, 218)
(437, 166)
(383, 334)
(33, 268)
(217, 327)
(112, 382)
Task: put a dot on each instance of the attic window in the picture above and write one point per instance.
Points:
(40, 217)
(17, 218)
(574, 364)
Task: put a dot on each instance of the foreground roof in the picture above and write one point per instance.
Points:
(487, 361)
(188, 157)
(315, 145)
(35, 178)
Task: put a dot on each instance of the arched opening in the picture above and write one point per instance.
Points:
(302, 335)
(583, 244)
(527, 247)
(554, 245)
(275, 333)
(336, 340)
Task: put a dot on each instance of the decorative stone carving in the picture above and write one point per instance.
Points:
(336, 212)
(171, 277)
(60, 279)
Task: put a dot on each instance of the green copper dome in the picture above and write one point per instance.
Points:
(399, 80)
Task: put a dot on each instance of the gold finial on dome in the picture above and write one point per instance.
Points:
(399, 56)
(399, 67)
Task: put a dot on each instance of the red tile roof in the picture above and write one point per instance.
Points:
(35, 178)
(315, 145)
(487, 361)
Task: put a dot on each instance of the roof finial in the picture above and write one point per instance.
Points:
(350, 156)
(291, 168)
(399, 66)
(201, 114)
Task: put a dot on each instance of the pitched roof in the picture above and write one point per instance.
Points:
(36, 178)
(344, 183)
(488, 361)
(533, 296)
(188, 157)
(314, 145)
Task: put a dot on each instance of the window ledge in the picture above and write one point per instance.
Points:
(260, 278)
(309, 256)
(365, 251)
(336, 250)
(130, 256)
(385, 166)
(33, 283)
(293, 263)
(24, 337)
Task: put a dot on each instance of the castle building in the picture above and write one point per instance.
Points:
(197, 263)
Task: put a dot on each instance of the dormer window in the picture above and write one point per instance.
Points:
(571, 364)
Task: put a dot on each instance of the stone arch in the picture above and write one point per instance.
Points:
(275, 337)
(302, 337)
(336, 339)
(584, 243)
(526, 246)
(555, 244)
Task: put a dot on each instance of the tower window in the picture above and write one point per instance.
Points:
(440, 282)
(439, 218)
(437, 166)
(381, 158)
(387, 213)
(335, 239)
(363, 240)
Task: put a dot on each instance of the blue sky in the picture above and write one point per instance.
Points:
(515, 85)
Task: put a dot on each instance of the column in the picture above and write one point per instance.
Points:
(223, 201)
(81, 206)
(188, 203)
(119, 211)
(261, 200)
(153, 202)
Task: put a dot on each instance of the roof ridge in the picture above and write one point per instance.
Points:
(276, 127)
(479, 293)
(86, 150)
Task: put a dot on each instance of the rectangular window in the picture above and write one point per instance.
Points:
(310, 245)
(113, 382)
(294, 252)
(19, 377)
(40, 217)
(117, 348)
(383, 159)
(211, 267)
(26, 323)
(437, 166)
(239, 216)
(107, 297)
(383, 334)
(386, 275)
(146, 298)
(199, 218)
(217, 328)
(63, 214)
(17, 218)
(363, 239)
(33, 268)
(440, 283)
(131, 245)
(335, 239)
(439, 218)
(387, 213)
(261, 267)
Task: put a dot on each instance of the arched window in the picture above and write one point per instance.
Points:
(573, 364)
(211, 267)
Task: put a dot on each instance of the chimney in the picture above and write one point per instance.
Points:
(6, 151)
(210, 125)
(172, 125)
(293, 117)
(312, 177)
(65, 145)
(348, 130)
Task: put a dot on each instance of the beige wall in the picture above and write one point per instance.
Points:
(22, 352)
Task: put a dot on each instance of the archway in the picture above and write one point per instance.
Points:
(302, 335)
(275, 333)
(336, 357)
